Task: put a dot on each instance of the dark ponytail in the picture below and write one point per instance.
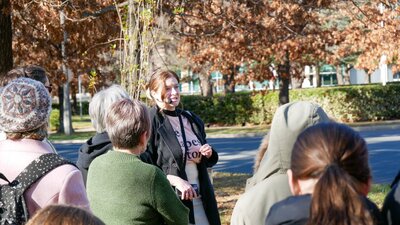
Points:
(336, 200)
(338, 157)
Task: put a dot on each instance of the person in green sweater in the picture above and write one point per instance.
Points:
(121, 188)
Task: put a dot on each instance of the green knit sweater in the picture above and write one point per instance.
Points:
(123, 190)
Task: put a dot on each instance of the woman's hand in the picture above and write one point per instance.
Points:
(187, 191)
(206, 150)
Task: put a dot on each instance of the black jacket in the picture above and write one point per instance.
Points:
(391, 205)
(164, 151)
(295, 210)
(95, 146)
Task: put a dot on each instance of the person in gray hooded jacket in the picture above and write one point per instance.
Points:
(270, 183)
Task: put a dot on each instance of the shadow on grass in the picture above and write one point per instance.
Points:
(228, 187)
(229, 180)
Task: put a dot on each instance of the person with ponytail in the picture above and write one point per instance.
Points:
(330, 178)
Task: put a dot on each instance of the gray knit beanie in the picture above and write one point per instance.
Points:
(25, 105)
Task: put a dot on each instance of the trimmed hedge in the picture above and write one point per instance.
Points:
(343, 103)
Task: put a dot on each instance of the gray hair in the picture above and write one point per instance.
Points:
(126, 121)
(100, 104)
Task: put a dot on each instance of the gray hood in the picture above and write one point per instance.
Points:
(288, 122)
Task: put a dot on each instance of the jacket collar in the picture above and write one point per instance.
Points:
(165, 130)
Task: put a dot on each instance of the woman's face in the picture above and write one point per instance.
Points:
(172, 95)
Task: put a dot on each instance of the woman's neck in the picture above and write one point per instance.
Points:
(171, 112)
(307, 185)
(164, 106)
(134, 151)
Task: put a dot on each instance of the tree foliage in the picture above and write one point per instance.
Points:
(38, 35)
(264, 35)
(258, 34)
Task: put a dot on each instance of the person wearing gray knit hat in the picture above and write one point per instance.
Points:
(25, 105)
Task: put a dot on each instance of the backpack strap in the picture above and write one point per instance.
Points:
(37, 169)
(4, 178)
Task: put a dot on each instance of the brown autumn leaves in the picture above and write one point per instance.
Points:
(214, 34)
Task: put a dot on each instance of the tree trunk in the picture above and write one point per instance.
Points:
(346, 78)
(75, 108)
(339, 75)
(66, 102)
(205, 84)
(138, 40)
(368, 77)
(297, 82)
(318, 75)
(283, 73)
(67, 110)
(6, 57)
(61, 107)
(229, 82)
(284, 79)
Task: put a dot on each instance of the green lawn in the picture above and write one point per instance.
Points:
(80, 135)
(82, 127)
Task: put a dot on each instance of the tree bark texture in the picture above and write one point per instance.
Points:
(229, 82)
(6, 56)
(205, 85)
(284, 80)
(339, 75)
(61, 108)
(75, 108)
(346, 78)
(297, 82)
(318, 75)
(66, 102)
(283, 88)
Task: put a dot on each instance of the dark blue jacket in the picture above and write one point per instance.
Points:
(295, 210)
(391, 205)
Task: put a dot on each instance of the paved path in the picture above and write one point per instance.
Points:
(237, 153)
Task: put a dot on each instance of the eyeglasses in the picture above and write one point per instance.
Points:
(49, 88)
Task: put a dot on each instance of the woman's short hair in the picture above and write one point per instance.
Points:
(64, 215)
(157, 80)
(337, 156)
(101, 102)
(126, 121)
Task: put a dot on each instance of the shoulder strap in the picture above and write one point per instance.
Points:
(184, 140)
(196, 126)
(4, 178)
(396, 180)
(37, 169)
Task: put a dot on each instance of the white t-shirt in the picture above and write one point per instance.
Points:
(193, 157)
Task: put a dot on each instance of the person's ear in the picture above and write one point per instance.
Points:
(143, 138)
(293, 183)
(153, 94)
(366, 187)
(142, 143)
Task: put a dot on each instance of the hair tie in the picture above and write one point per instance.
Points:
(332, 165)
